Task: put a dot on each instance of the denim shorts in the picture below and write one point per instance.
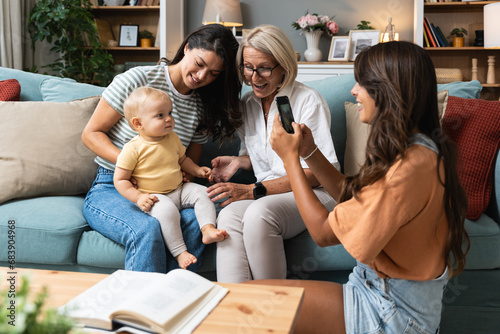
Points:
(388, 305)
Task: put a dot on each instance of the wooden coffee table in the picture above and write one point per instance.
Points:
(247, 308)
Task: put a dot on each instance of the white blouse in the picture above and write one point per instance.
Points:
(308, 107)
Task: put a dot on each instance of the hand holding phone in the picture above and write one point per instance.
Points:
(285, 111)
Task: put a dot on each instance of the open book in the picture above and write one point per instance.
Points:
(176, 302)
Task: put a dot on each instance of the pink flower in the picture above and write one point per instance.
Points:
(333, 27)
(312, 22)
(323, 19)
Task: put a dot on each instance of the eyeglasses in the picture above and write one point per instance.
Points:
(263, 72)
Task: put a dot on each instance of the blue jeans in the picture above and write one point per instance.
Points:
(115, 217)
(391, 306)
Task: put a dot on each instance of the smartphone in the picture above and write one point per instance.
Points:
(285, 111)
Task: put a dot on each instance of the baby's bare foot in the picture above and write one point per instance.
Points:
(185, 259)
(212, 234)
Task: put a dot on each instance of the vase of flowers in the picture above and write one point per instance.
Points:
(312, 27)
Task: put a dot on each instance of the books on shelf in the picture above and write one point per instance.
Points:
(433, 36)
(103, 30)
(176, 302)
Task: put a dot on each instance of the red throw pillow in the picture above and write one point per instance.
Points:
(474, 125)
(10, 90)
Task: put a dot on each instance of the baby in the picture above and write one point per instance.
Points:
(156, 159)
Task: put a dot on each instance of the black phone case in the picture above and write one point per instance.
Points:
(285, 111)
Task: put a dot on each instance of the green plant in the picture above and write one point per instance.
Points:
(364, 25)
(69, 25)
(459, 32)
(146, 34)
(20, 314)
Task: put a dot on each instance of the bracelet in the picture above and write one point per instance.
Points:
(310, 154)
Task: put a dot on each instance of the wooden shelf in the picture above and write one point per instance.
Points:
(491, 85)
(463, 4)
(464, 48)
(469, 15)
(146, 17)
(125, 8)
(132, 48)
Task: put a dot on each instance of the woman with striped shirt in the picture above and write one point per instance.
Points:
(203, 85)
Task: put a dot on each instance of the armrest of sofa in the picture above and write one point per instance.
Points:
(30, 82)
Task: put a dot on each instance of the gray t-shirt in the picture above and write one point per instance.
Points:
(187, 109)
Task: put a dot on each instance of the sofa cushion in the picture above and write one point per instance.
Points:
(30, 82)
(474, 124)
(336, 90)
(484, 235)
(303, 255)
(93, 245)
(41, 151)
(464, 89)
(10, 90)
(57, 90)
(47, 229)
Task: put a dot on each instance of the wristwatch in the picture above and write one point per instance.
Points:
(259, 190)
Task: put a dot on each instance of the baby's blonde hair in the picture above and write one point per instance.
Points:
(139, 98)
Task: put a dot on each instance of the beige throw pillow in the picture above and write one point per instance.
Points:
(41, 152)
(357, 134)
(355, 144)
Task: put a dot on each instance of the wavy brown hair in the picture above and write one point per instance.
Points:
(220, 99)
(401, 79)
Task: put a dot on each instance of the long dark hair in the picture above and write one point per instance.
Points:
(401, 79)
(220, 99)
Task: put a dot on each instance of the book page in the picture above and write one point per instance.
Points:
(94, 306)
(150, 301)
(165, 299)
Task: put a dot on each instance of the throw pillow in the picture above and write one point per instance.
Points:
(474, 125)
(464, 89)
(10, 90)
(355, 144)
(57, 90)
(41, 152)
(357, 134)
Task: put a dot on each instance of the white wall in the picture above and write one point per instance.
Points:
(348, 13)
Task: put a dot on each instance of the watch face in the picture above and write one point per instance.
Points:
(259, 190)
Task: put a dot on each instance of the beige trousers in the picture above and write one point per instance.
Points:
(167, 211)
(257, 228)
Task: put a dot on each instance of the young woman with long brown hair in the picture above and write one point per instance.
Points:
(401, 217)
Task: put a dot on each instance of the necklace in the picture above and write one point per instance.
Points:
(265, 114)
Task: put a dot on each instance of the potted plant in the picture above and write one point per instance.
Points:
(458, 40)
(364, 25)
(23, 313)
(146, 38)
(69, 26)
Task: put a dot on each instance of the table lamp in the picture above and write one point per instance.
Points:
(492, 26)
(491, 36)
(225, 12)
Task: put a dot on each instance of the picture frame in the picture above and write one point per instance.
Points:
(339, 48)
(129, 35)
(362, 39)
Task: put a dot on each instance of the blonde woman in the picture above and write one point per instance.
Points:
(258, 217)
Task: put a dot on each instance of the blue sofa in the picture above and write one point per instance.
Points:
(51, 232)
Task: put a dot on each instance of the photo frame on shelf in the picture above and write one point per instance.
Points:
(362, 39)
(129, 35)
(339, 48)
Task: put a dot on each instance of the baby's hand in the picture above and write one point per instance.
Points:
(146, 201)
(204, 172)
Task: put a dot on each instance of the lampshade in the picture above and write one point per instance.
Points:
(225, 12)
(385, 37)
(492, 26)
